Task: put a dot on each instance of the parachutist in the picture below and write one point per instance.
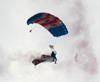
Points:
(46, 58)
(55, 26)
(53, 54)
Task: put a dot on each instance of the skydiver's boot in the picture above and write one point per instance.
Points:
(55, 61)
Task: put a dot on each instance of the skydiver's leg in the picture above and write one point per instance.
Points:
(55, 60)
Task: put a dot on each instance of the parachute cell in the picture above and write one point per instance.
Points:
(53, 24)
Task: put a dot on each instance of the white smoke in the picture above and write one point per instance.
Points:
(19, 47)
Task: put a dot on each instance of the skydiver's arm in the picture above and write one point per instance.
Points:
(53, 50)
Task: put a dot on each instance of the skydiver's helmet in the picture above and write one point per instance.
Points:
(51, 46)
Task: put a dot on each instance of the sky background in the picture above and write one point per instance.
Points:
(77, 52)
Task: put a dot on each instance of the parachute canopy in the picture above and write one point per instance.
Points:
(53, 24)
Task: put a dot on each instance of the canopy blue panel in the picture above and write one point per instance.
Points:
(53, 24)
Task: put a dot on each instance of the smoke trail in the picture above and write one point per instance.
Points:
(4, 63)
(84, 54)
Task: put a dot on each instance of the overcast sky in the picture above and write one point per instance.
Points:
(77, 52)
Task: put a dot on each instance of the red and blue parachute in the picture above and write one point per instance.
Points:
(53, 24)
